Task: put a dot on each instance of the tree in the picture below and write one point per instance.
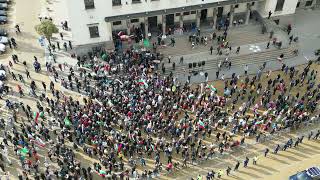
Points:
(46, 28)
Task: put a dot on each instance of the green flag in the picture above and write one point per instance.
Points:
(146, 43)
(67, 121)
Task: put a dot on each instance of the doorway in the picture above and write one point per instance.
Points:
(152, 22)
(170, 20)
(220, 12)
(204, 14)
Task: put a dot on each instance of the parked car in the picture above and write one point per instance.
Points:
(2, 48)
(3, 19)
(3, 6)
(3, 40)
(312, 173)
(3, 32)
(4, 1)
(3, 13)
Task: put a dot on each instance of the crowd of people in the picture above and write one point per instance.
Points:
(132, 113)
(136, 122)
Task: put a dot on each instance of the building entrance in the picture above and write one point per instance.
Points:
(204, 13)
(170, 20)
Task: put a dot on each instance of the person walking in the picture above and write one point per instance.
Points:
(237, 166)
(211, 50)
(61, 35)
(228, 171)
(181, 60)
(245, 162)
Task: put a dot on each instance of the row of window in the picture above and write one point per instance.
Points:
(89, 4)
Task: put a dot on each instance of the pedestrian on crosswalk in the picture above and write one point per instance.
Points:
(211, 50)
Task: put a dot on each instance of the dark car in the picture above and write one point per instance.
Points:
(3, 6)
(3, 32)
(3, 19)
(3, 13)
(312, 173)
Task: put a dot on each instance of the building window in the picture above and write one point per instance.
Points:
(89, 4)
(308, 3)
(178, 14)
(280, 4)
(298, 4)
(186, 13)
(136, 1)
(134, 20)
(236, 6)
(94, 31)
(116, 2)
(115, 23)
(253, 3)
(193, 12)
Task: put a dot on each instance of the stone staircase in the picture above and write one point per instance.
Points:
(247, 59)
(236, 37)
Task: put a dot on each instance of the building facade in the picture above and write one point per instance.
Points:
(92, 22)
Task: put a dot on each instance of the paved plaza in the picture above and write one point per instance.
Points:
(115, 103)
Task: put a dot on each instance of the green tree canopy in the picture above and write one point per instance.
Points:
(46, 28)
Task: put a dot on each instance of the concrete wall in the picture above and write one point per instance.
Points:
(289, 7)
(191, 17)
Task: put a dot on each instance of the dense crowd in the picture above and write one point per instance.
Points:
(133, 113)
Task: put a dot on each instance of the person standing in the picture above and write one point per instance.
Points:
(70, 45)
(238, 50)
(266, 152)
(217, 74)
(246, 68)
(255, 159)
(228, 171)
(61, 36)
(245, 162)
(65, 46)
(211, 50)
(270, 13)
(276, 149)
(58, 45)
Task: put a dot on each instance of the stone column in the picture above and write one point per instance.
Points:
(198, 18)
(146, 27)
(128, 26)
(181, 20)
(231, 15)
(215, 18)
(164, 23)
(248, 13)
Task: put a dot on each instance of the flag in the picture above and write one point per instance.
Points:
(201, 124)
(24, 151)
(36, 116)
(212, 88)
(142, 82)
(67, 121)
(102, 173)
(191, 96)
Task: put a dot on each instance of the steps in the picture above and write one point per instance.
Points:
(255, 58)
